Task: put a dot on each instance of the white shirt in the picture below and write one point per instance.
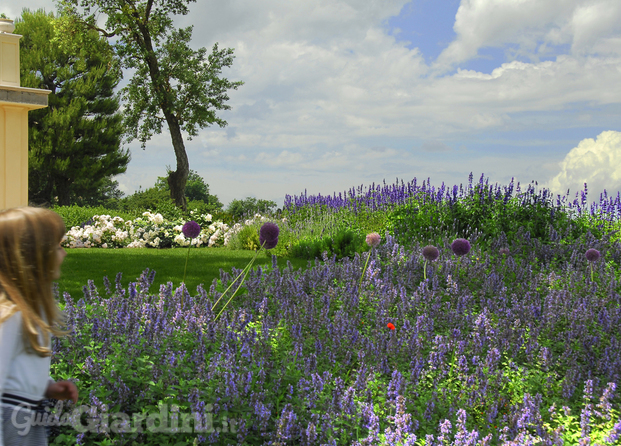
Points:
(21, 373)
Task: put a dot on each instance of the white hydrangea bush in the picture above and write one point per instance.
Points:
(149, 231)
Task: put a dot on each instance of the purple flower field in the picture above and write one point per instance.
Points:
(515, 344)
(378, 197)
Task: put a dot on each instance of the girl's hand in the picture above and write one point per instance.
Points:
(62, 390)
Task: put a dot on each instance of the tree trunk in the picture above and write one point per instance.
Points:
(64, 192)
(177, 179)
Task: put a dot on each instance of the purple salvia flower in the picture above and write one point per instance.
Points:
(402, 420)
(429, 410)
(614, 435)
(604, 402)
(445, 430)
(587, 411)
(106, 285)
(286, 424)
(371, 422)
(349, 404)
(311, 434)
(395, 386)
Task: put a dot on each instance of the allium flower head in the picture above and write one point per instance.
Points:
(191, 229)
(461, 246)
(373, 239)
(430, 252)
(504, 251)
(391, 326)
(592, 255)
(269, 235)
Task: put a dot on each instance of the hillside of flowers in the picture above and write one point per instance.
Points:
(491, 348)
(467, 340)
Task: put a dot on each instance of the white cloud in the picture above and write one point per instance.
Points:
(435, 146)
(596, 162)
(284, 158)
(533, 27)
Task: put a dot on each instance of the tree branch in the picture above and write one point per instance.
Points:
(102, 31)
(148, 12)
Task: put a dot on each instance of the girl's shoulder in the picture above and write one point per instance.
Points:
(7, 309)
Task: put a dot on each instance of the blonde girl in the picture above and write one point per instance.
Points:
(30, 259)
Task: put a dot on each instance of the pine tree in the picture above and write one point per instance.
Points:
(74, 143)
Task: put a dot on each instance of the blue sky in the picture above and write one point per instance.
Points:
(426, 25)
(342, 93)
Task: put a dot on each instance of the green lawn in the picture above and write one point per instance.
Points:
(84, 264)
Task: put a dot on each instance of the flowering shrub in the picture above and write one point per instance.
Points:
(148, 231)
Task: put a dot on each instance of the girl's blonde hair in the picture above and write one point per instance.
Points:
(29, 238)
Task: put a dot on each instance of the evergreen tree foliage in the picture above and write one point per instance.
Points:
(74, 143)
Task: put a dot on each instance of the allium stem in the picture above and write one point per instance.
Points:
(245, 272)
(232, 283)
(186, 262)
(185, 270)
(364, 269)
(425, 270)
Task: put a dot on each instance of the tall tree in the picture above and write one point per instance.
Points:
(75, 143)
(172, 83)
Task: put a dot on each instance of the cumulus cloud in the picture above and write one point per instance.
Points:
(596, 162)
(533, 28)
(319, 73)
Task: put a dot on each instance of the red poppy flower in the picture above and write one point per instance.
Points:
(391, 326)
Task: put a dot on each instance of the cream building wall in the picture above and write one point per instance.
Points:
(15, 102)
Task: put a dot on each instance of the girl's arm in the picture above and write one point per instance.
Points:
(9, 338)
(9, 332)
